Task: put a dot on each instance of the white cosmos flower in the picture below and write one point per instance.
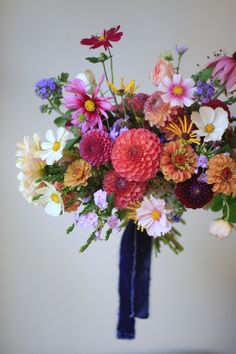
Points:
(152, 216)
(52, 150)
(211, 123)
(89, 79)
(51, 199)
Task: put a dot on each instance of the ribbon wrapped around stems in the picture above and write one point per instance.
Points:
(134, 279)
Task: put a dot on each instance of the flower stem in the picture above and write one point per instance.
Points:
(111, 65)
(107, 78)
(56, 109)
(220, 91)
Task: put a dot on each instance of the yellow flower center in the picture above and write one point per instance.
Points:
(101, 38)
(55, 198)
(56, 145)
(178, 90)
(156, 214)
(209, 128)
(89, 106)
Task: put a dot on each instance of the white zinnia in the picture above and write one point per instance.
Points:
(152, 216)
(51, 199)
(52, 150)
(220, 228)
(211, 123)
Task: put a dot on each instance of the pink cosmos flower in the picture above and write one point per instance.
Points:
(176, 91)
(224, 70)
(92, 107)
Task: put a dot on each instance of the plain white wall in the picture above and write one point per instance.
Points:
(54, 300)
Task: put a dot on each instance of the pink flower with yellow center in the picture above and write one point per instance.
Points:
(176, 91)
(91, 106)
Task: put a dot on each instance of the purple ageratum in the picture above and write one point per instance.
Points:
(100, 199)
(181, 49)
(44, 88)
(202, 161)
(204, 91)
(118, 128)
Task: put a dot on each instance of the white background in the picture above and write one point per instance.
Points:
(54, 300)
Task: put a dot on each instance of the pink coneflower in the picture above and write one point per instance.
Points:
(176, 91)
(224, 70)
(92, 107)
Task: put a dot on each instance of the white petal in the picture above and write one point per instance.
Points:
(176, 79)
(60, 133)
(166, 98)
(221, 119)
(189, 83)
(197, 120)
(187, 101)
(50, 136)
(46, 146)
(207, 114)
(53, 209)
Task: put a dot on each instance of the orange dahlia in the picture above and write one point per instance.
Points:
(136, 155)
(221, 172)
(77, 173)
(178, 161)
(125, 192)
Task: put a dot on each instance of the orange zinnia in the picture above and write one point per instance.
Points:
(178, 162)
(77, 173)
(221, 173)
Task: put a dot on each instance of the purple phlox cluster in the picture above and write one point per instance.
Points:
(45, 87)
(204, 91)
(100, 199)
(118, 128)
(202, 161)
(181, 48)
(113, 222)
(90, 219)
(202, 178)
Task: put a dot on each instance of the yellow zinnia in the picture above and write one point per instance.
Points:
(77, 173)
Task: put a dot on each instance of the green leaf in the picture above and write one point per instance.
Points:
(203, 75)
(89, 241)
(232, 210)
(108, 234)
(217, 203)
(44, 108)
(63, 77)
(60, 121)
(93, 60)
(71, 142)
(70, 229)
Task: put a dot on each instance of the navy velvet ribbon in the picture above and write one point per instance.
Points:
(134, 280)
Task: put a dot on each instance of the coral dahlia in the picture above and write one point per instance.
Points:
(193, 193)
(95, 147)
(125, 191)
(178, 161)
(136, 155)
(221, 172)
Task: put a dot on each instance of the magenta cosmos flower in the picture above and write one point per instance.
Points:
(224, 70)
(104, 39)
(176, 91)
(92, 107)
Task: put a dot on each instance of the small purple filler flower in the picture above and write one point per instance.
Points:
(90, 219)
(181, 49)
(204, 91)
(100, 199)
(113, 221)
(44, 88)
(202, 161)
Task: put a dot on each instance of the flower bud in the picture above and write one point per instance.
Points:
(220, 228)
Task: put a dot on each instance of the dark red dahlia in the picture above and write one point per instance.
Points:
(125, 192)
(193, 193)
(95, 147)
(218, 103)
(104, 39)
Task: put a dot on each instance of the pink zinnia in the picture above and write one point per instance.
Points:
(224, 70)
(92, 107)
(176, 91)
(95, 147)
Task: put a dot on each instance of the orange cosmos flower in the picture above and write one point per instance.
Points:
(221, 173)
(178, 162)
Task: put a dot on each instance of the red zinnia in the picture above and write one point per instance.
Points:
(125, 192)
(95, 147)
(104, 39)
(136, 155)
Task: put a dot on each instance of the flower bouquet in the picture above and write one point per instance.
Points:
(120, 158)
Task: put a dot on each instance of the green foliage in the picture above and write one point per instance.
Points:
(89, 241)
(231, 209)
(228, 206)
(203, 75)
(108, 234)
(60, 121)
(231, 100)
(101, 59)
(217, 202)
(63, 77)
(45, 109)
(71, 142)
(53, 173)
(70, 229)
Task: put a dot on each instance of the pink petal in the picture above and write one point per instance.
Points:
(232, 79)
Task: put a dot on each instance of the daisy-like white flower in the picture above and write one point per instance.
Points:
(211, 123)
(152, 216)
(51, 199)
(176, 91)
(52, 150)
